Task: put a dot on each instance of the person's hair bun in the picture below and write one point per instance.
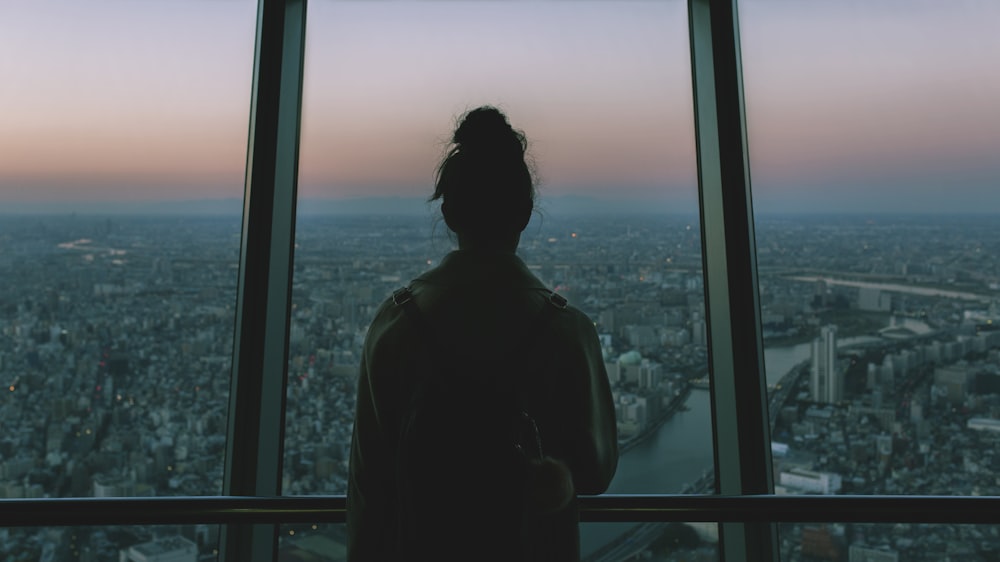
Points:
(486, 130)
(484, 183)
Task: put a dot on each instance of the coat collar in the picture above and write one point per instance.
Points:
(483, 267)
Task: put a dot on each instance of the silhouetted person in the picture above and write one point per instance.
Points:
(476, 309)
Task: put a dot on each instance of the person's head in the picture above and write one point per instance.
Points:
(486, 190)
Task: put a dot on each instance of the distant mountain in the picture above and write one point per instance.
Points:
(556, 205)
(231, 206)
(365, 206)
(585, 205)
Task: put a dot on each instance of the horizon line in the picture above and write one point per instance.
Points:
(398, 205)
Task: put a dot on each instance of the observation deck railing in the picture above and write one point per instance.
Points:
(605, 508)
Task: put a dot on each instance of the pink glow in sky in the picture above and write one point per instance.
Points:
(890, 104)
(848, 102)
(602, 89)
(113, 99)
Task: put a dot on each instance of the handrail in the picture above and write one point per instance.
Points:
(605, 508)
(799, 509)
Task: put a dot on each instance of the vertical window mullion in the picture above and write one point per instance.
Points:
(257, 393)
(739, 408)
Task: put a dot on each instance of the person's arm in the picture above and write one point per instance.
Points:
(583, 412)
(370, 516)
(602, 429)
(366, 502)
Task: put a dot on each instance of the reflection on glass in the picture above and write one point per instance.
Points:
(602, 91)
(873, 138)
(120, 181)
(315, 542)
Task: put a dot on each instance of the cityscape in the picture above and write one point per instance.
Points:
(882, 360)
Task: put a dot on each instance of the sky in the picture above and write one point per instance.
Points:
(851, 105)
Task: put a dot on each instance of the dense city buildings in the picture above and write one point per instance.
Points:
(881, 349)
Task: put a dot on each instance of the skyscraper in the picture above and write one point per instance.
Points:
(825, 383)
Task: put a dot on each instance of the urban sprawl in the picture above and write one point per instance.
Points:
(116, 339)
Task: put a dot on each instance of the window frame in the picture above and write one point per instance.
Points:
(255, 433)
(739, 396)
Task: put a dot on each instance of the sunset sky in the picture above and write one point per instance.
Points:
(852, 105)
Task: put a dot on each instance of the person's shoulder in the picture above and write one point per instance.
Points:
(386, 311)
(389, 319)
(567, 312)
(571, 322)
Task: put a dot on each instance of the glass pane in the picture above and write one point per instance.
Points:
(657, 542)
(602, 91)
(174, 543)
(873, 133)
(120, 185)
(887, 542)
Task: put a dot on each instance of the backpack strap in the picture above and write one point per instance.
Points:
(403, 297)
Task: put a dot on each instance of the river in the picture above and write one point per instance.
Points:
(681, 449)
(678, 453)
(896, 288)
(779, 360)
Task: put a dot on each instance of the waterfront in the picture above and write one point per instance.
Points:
(779, 360)
(679, 402)
(680, 450)
(679, 453)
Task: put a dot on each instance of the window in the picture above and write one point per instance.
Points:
(123, 147)
(871, 129)
(601, 90)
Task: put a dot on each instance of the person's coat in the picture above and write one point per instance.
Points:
(479, 302)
